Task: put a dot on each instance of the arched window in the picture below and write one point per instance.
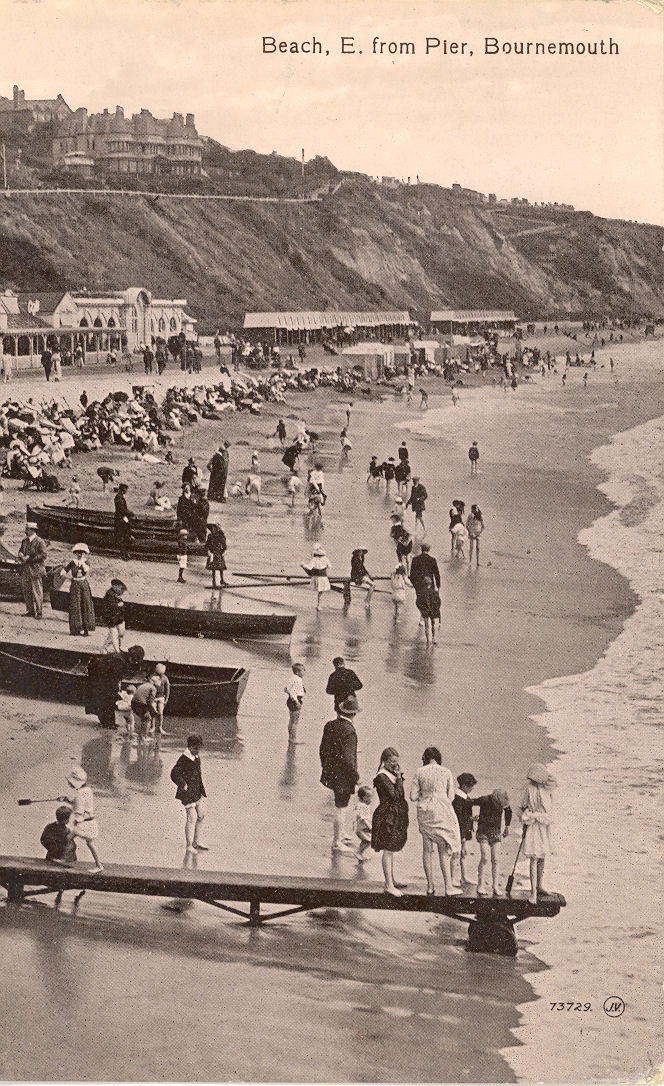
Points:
(162, 324)
(111, 322)
(83, 323)
(174, 325)
(99, 322)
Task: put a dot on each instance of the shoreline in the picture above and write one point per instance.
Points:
(627, 940)
(543, 608)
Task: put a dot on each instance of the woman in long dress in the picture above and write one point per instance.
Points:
(81, 608)
(317, 568)
(433, 790)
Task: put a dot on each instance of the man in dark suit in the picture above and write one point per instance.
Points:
(424, 565)
(32, 556)
(338, 759)
(342, 682)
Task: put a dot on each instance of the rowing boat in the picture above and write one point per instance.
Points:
(70, 526)
(102, 518)
(57, 674)
(174, 618)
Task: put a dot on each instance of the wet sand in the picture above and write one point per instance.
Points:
(382, 998)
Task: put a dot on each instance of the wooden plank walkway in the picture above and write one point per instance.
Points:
(491, 920)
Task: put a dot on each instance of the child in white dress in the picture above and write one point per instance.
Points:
(398, 586)
(123, 707)
(363, 822)
(536, 818)
(84, 823)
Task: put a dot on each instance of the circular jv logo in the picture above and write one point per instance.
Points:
(614, 1006)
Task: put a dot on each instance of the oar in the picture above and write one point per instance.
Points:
(27, 802)
(298, 576)
(510, 882)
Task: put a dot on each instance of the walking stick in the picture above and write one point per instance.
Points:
(510, 882)
(27, 802)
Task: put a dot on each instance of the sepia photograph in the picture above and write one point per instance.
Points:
(331, 541)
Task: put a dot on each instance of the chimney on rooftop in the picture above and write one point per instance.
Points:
(144, 111)
(190, 120)
(177, 117)
(106, 113)
(15, 96)
(119, 112)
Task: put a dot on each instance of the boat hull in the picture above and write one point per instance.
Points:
(188, 622)
(61, 675)
(146, 544)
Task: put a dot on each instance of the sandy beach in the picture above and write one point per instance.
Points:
(542, 606)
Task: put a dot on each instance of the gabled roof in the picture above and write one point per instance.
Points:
(17, 322)
(48, 300)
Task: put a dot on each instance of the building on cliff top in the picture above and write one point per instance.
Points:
(122, 319)
(141, 144)
(42, 109)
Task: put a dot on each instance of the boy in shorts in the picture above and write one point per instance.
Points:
(489, 836)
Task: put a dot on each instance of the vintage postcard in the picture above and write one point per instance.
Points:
(332, 514)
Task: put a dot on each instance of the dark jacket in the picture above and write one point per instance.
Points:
(121, 509)
(463, 809)
(187, 775)
(341, 684)
(491, 817)
(59, 842)
(112, 609)
(424, 565)
(338, 755)
(417, 499)
(34, 552)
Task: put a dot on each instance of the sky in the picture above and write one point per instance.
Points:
(584, 130)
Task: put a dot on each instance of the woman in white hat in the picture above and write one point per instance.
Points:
(536, 818)
(81, 608)
(81, 801)
(317, 568)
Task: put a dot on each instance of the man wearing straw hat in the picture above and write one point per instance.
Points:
(32, 556)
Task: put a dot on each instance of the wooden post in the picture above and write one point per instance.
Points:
(254, 912)
(14, 891)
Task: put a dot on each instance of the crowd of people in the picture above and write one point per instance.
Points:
(40, 438)
(445, 809)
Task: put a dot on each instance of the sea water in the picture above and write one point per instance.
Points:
(607, 724)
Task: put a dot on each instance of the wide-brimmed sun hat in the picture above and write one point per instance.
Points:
(120, 585)
(31, 526)
(77, 777)
(539, 774)
(350, 705)
(80, 548)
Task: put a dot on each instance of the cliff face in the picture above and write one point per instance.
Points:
(365, 246)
